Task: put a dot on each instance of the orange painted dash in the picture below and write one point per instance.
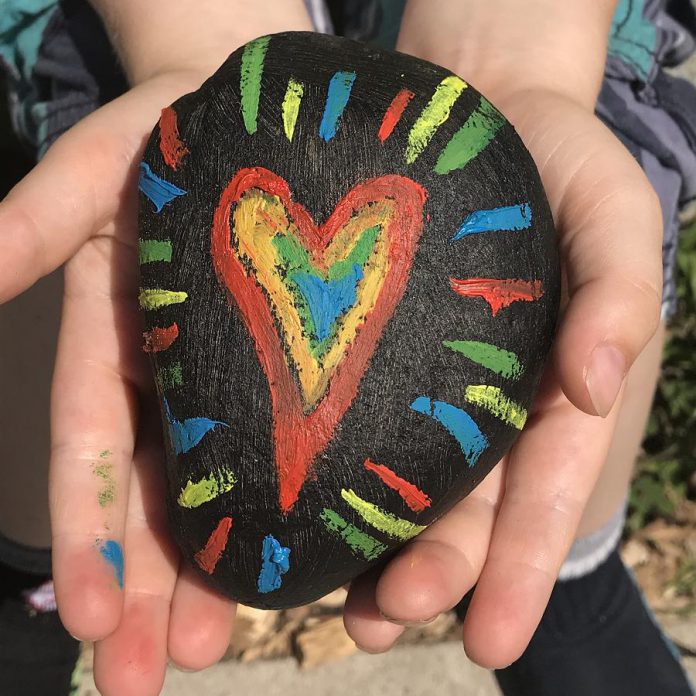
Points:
(172, 148)
(498, 293)
(413, 496)
(208, 557)
(160, 339)
(393, 114)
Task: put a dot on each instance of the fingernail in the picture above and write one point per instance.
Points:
(179, 668)
(604, 377)
(409, 624)
(369, 651)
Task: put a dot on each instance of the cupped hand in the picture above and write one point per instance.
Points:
(509, 537)
(78, 207)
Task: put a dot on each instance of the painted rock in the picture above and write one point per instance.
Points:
(350, 284)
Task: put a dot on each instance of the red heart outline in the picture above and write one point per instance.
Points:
(299, 437)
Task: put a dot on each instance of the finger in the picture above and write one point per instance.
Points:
(437, 568)
(98, 374)
(200, 624)
(370, 631)
(78, 188)
(132, 660)
(551, 472)
(610, 228)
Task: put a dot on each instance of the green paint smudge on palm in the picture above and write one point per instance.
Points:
(104, 471)
(195, 494)
(502, 362)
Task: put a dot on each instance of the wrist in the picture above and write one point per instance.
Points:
(549, 47)
(159, 36)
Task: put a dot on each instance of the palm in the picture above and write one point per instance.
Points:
(510, 536)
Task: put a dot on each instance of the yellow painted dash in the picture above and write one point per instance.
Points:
(291, 106)
(495, 402)
(435, 113)
(393, 526)
(154, 298)
(195, 494)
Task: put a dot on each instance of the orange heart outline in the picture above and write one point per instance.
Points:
(298, 437)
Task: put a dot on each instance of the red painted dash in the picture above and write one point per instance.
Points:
(413, 496)
(498, 293)
(208, 557)
(171, 147)
(160, 339)
(393, 114)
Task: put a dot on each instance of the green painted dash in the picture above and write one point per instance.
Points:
(502, 362)
(471, 139)
(151, 250)
(171, 376)
(358, 541)
(250, 80)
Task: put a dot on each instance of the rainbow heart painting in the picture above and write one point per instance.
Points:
(350, 284)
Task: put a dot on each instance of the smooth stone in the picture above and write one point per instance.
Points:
(350, 284)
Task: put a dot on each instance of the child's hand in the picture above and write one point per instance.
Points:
(78, 205)
(511, 535)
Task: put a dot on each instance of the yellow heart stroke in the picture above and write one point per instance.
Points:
(260, 217)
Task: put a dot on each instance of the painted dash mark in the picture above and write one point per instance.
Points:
(291, 106)
(508, 219)
(112, 553)
(502, 362)
(415, 498)
(381, 520)
(159, 191)
(250, 81)
(194, 495)
(494, 401)
(458, 423)
(275, 562)
(393, 114)
(185, 435)
(471, 139)
(435, 113)
(340, 87)
(208, 557)
(359, 542)
(154, 298)
(498, 293)
(171, 376)
(152, 250)
(172, 148)
(160, 338)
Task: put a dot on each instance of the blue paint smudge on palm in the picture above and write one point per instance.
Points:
(327, 299)
(458, 423)
(339, 93)
(187, 434)
(509, 218)
(276, 562)
(113, 554)
(159, 191)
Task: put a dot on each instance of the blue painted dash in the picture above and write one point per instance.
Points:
(275, 562)
(339, 93)
(458, 423)
(159, 191)
(187, 434)
(507, 219)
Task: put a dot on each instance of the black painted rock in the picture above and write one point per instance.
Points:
(350, 285)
